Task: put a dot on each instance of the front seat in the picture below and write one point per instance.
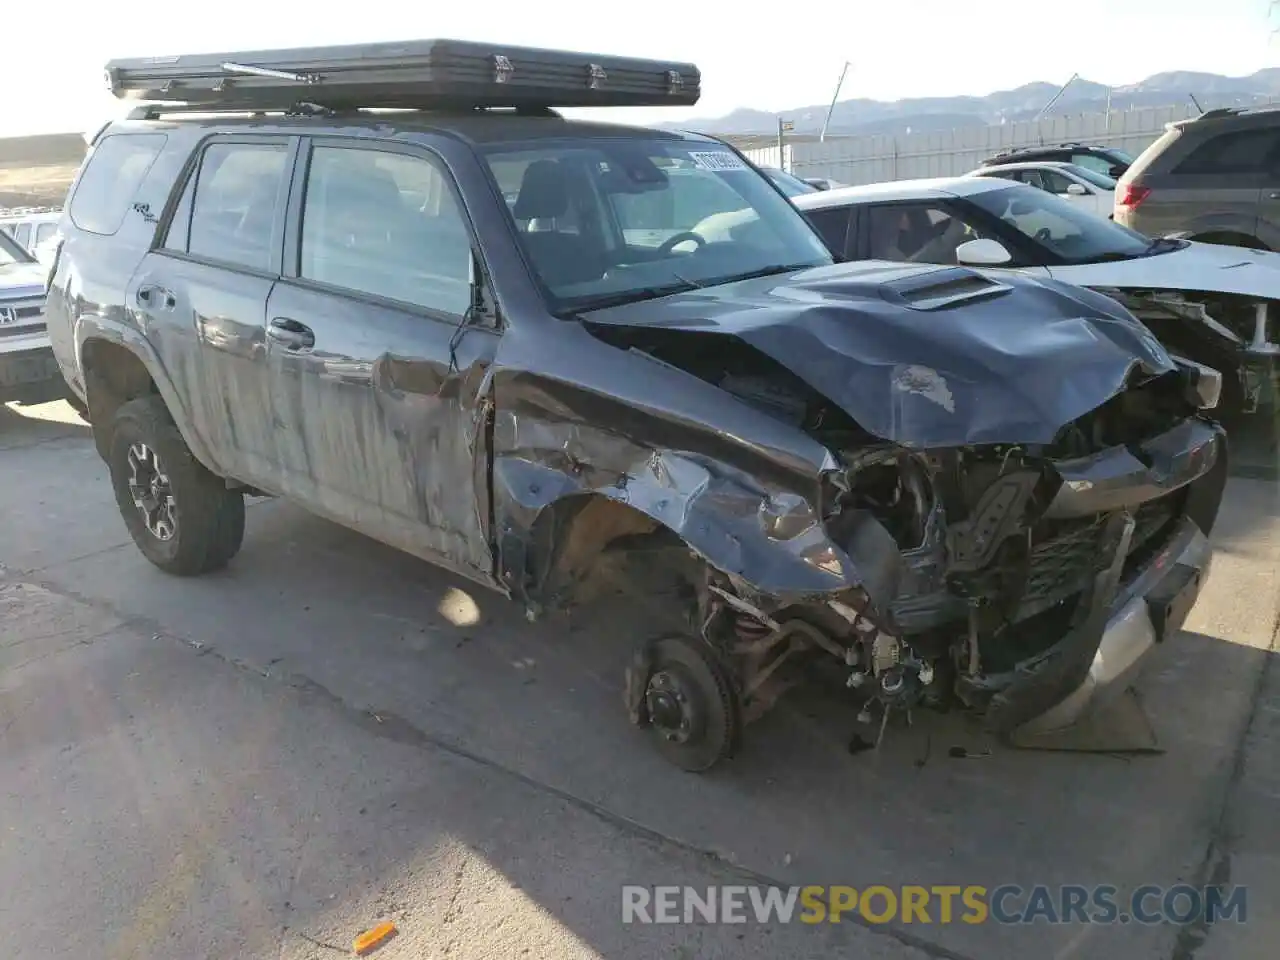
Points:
(560, 258)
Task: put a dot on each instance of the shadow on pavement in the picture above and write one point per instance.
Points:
(433, 749)
(22, 425)
(368, 632)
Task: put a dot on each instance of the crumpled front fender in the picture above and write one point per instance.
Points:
(770, 539)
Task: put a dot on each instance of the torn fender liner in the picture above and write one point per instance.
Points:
(969, 361)
(770, 538)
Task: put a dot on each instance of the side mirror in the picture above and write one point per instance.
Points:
(982, 253)
(1076, 190)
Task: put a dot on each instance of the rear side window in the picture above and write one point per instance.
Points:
(111, 178)
(1243, 151)
(237, 203)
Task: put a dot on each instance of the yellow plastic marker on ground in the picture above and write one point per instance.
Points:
(370, 940)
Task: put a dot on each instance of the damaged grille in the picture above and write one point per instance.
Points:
(1062, 562)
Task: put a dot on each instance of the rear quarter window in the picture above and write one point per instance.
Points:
(1235, 152)
(112, 174)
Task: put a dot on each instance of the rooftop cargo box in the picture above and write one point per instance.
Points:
(412, 74)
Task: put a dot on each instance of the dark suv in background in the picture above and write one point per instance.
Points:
(1105, 160)
(1215, 178)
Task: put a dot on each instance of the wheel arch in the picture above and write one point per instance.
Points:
(553, 525)
(117, 367)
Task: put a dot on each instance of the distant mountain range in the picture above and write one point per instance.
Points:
(924, 114)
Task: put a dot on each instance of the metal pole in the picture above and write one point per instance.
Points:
(782, 157)
(834, 97)
(1057, 96)
(1108, 126)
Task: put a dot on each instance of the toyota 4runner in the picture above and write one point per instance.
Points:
(505, 342)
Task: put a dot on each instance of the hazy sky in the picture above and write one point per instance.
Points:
(788, 55)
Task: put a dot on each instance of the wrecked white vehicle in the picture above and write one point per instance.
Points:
(485, 344)
(1218, 305)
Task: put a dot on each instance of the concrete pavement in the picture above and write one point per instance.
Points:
(184, 762)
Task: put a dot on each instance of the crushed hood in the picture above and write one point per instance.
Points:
(927, 356)
(1196, 268)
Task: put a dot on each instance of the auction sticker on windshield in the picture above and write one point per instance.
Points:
(718, 161)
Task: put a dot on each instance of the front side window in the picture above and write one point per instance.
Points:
(917, 232)
(237, 203)
(1063, 229)
(114, 171)
(23, 235)
(386, 224)
(612, 220)
(1055, 182)
(833, 225)
(1094, 177)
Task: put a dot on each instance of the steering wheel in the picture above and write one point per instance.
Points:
(672, 242)
(1043, 235)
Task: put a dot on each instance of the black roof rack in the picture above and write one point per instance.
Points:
(419, 74)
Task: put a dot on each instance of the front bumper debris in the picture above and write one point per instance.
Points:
(1124, 477)
(1102, 655)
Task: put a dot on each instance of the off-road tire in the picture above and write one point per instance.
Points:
(210, 518)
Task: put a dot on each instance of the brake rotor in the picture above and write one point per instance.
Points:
(689, 704)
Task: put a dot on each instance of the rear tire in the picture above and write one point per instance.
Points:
(181, 516)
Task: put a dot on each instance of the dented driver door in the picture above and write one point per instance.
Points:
(379, 387)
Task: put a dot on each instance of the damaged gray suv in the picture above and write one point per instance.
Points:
(508, 343)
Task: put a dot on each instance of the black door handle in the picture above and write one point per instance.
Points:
(1273, 196)
(291, 333)
(155, 296)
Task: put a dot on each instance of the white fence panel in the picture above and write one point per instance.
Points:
(872, 159)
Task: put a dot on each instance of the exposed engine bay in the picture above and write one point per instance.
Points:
(974, 561)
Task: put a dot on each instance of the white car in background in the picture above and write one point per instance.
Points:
(28, 371)
(1088, 189)
(1216, 305)
(34, 231)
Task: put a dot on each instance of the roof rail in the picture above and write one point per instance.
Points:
(157, 111)
(415, 75)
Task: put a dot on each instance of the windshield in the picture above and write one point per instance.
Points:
(790, 185)
(611, 221)
(1093, 176)
(10, 252)
(1072, 233)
